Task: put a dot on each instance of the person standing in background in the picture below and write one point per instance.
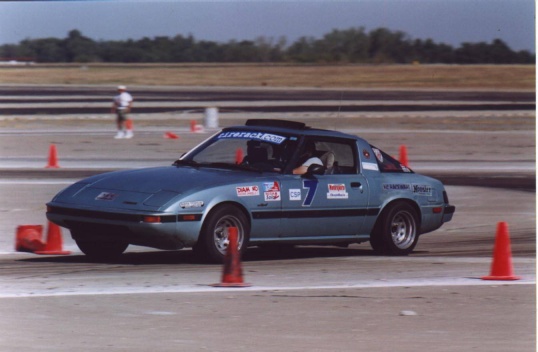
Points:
(121, 107)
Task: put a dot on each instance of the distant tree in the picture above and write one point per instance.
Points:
(353, 45)
(302, 50)
(79, 48)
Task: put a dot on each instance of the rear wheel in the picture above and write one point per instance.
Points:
(396, 232)
(213, 242)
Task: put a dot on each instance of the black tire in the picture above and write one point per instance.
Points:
(102, 250)
(396, 231)
(213, 241)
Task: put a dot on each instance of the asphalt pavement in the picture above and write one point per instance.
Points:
(305, 299)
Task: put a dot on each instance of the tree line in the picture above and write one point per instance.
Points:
(354, 45)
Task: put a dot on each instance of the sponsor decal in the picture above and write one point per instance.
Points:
(247, 191)
(271, 191)
(370, 166)
(295, 194)
(396, 187)
(337, 191)
(423, 190)
(366, 153)
(192, 204)
(271, 196)
(267, 137)
(106, 196)
(271, 186)
(405, 168)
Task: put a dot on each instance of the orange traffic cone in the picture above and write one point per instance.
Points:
(403, 156)
(239, 156)
(129, 127)
(29, 238)
(170, 135)
(501, 267)
(54, 241)
(232, 274)
(53, 158)
(196, 128)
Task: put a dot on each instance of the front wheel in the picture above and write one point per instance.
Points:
(396, 232)
(102, 250)
(213, 241)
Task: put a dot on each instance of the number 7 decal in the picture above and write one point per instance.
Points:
(311, 185)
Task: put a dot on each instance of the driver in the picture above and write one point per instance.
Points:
(307, 158)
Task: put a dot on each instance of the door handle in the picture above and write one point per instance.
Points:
(357, 185)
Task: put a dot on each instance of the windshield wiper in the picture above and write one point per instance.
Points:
(180, 162)
(234, 166)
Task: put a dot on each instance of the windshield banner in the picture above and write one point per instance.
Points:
(261, 136)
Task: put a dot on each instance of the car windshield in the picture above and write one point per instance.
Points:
(257, 151)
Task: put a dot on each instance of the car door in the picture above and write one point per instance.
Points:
(326, 205)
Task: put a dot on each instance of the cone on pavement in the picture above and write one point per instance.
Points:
(53, 158)
(170, 135)
(196, 128)
(403, 156)
(232, 274)
(29, 238)
(239, 156)
(53, 245)
(129, 128)
(501, 266)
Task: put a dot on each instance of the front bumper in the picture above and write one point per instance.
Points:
(92, 225)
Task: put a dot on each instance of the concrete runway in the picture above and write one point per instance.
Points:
(305, 299)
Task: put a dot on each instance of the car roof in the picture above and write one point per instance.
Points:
(288, 127)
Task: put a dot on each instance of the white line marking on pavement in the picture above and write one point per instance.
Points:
(208, 288)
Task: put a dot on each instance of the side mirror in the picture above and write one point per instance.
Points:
(315, 169)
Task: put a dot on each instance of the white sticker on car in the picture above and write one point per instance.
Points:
(370, 166)
(271, 191)
(337, 191)
(271, 196)
(106, 196)
(295, 194)
(247, 191)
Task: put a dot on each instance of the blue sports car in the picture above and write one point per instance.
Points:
(278, 182)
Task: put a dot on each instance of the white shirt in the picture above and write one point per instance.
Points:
(313, 160)
(123, 100)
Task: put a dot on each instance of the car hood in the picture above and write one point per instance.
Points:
(149, 189)
(153, 180)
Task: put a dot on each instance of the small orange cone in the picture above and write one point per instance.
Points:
(170, 135)
(239, 156)
(196, 128)
(501, 267)
(129, 128)
(54, 241)
(53, 158)
(403, 156)
(29, 238)
(232, 274)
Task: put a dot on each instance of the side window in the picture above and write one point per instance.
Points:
(337, 157)
(387, 163)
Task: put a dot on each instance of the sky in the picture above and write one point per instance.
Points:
(451, 22)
